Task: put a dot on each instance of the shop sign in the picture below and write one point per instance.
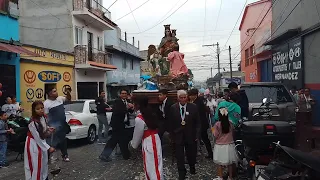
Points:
(234, 79)
(51, 54)
(287, 63)
(49, 76)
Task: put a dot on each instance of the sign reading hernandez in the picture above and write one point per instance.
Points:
(287, 63)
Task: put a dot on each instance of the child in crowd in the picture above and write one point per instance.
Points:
(224, 153)
(36, 148)
(3, 138)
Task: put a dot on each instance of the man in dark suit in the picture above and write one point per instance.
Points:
(164, 111)
(203, 113)
(119, 118)
(185, 123)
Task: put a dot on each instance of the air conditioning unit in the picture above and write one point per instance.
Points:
(13, 9)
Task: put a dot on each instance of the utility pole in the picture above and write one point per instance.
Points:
(211, 72)
(218, 56)
(230, 62)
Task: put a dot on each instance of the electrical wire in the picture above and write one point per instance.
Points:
(112, 4)
(277, 27)
(205, 19)
(165, 18)
(244, 7)
(216, 25)
(132, 10)
(133, 15)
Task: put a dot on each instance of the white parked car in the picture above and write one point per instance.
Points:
(82, 117)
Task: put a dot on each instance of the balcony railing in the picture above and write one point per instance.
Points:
(93, 6)
(82, 55)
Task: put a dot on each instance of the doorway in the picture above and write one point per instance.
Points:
(87, 90)
(88, 3)
(47, 87)
(90, 45)
(8, 81)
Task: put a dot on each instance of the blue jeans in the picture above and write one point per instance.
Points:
(3, 153)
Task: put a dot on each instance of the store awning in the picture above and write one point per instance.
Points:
(107, 66)
(17, 49)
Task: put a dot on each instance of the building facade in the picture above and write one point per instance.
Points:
(72, 26)
(10, 50)
(255, 56)
(126, 57)
(295, 39)
(50, 69)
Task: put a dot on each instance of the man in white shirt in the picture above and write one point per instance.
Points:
(54, 108)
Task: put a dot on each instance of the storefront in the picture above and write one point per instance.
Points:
(38, 74)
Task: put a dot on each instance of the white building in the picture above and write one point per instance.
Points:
(71, 26)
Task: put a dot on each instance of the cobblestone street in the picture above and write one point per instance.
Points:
(86, 165)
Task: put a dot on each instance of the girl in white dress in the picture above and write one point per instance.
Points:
(36, 148)
(145, 130)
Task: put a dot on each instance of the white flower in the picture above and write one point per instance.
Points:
(187, 113)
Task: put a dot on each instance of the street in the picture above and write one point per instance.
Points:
(85, 164)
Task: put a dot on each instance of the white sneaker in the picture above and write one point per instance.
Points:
(66, 159)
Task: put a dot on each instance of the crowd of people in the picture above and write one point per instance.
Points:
(135, 122)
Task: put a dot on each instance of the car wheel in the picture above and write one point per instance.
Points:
(92, 132)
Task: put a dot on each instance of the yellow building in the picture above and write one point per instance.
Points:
(51, 68)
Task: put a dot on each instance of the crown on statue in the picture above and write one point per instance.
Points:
(167, 26)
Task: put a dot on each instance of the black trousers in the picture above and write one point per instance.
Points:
(182, 150)
(206, 141)
(63, 146)
(118, 137)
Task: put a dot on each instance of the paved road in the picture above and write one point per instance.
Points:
(85, 165)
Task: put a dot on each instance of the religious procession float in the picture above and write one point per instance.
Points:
(166, 69)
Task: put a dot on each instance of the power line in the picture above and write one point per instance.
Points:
(132, 10)
(205, 16)
(278, 26)
(165, 18)
(244, 6)
(216, 25)
(133, 15)
(112, 4)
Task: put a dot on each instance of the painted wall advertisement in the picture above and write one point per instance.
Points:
(35, 77)
(287, 64)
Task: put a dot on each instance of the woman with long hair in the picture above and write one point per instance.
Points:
(145, 131)
(36, 148)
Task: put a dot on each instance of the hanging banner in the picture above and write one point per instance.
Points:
(287, 64)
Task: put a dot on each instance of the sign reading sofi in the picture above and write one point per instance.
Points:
(49, 76)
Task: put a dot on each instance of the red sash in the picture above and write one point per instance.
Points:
(147, 132)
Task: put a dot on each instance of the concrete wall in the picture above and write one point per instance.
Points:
(305, 15)
(125, 76)
(251, 19)
(95, 32)
(46, 23)
(112, 37)
(9, 28)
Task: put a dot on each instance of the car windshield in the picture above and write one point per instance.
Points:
(277, 93)
(75, 106)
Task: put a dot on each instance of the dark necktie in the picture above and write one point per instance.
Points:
(182, 113)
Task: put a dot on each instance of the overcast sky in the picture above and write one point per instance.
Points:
(196, 24)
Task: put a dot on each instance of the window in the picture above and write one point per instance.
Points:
(75, 106)
(109, 58)
(92, 107)
(246, 57)
(78, 35)
(277, 93)
(4, 5)
(124, 63)
(131, 64)
(252, 53)
(99, 43)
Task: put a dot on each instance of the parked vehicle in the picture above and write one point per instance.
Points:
(82, 117)
(257, 134)
(284, 105)
(291, 164)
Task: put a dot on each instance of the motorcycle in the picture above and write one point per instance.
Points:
(291, 164)
(254, 144)
(16, 141)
